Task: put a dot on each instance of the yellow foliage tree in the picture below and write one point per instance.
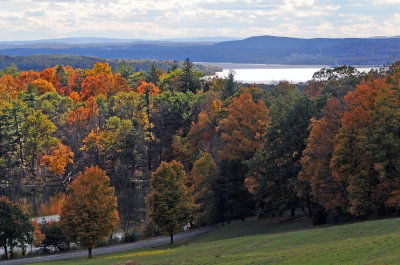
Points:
(43, 86)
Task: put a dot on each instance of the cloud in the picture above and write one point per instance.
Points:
(155, 19)
(387, 2)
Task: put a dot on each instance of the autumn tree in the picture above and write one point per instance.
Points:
(38, 236)
(37, 133)
(367, 147)
(243, 128)
(147, 92)
(321, 184)
(241, 131)
(24, 78)
(94, 85)
(43, 86)
(8, 87)
(99, 68)
(170, 200)
(120, 149)
(203, 133)
(60, 156)
(89, 214)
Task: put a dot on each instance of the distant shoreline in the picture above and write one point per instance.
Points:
(274, 66)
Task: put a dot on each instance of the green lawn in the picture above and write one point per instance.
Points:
(273, 241)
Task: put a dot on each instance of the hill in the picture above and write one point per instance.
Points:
(273, 241)
(261, 49)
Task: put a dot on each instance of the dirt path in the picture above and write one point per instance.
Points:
(158, 241)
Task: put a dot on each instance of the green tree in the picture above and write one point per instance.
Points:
(190, 81)
(230, 86)
(124, 69)
(170, 200)
(173, 112)
(15, 227)
(153, 74)
(89, 214)
(275, 166)
(10, 70)
(54, 237)
(11, 157)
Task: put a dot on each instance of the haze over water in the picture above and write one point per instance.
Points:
(269, 74)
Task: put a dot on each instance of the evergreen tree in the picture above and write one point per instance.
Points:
(15, 227)
(189, 81)
(274, 168)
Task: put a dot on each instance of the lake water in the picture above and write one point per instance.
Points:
(269, 74)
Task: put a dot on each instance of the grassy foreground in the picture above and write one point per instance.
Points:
(273, 241)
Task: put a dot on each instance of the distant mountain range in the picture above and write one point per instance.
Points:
(94, 40)
(261, 49)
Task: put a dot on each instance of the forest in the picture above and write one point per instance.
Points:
(328, 149)
(39, 62)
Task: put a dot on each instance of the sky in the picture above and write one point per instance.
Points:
(156, 19)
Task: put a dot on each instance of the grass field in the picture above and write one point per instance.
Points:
(274, 241)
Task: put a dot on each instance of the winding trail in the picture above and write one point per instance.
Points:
(152, 242)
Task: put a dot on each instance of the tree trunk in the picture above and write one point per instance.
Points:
(90, 253)
(172, 238)
(293, 212)
(5, 251)
(309, 206)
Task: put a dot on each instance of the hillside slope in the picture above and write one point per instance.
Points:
(274, 241)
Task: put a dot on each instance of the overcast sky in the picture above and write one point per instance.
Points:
(154, 19)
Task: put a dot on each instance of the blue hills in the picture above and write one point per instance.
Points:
(259, 49)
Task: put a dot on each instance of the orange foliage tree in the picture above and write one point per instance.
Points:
(119, 84)
(316, 172)
(149, 88)
(60, 156)
(95, 85)
(366, 152)
(243, 128)
(48, 75)
(89, 214)
(38, 237)
(8, 87)
(24, 78)
(81, 116)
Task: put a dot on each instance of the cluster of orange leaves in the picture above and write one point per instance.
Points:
(60, 156)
